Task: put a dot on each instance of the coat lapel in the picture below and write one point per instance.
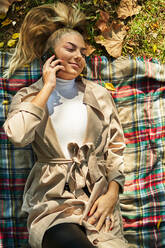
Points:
(95, 115)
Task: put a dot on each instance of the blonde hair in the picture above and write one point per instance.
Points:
(40, 29)
(56, 36)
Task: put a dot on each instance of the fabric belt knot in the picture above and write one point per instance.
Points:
(79, 168)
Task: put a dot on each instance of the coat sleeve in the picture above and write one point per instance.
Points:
(23, 119)
(115, 148)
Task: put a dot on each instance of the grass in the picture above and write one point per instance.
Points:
(146, 31)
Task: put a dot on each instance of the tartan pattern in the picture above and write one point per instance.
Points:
(140, 100)
(13, 174)
(144, 128)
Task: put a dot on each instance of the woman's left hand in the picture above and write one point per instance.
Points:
(102, 211)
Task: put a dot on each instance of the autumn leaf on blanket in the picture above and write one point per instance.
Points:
(6, 22)
(159, 222)
(110, 86)
(102, 21)
(128, 8)
(89, 49)
(112, 39)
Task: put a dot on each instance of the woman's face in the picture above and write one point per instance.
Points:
(71, 50)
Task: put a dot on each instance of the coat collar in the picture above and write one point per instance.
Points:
(90, 93)
(87, 86)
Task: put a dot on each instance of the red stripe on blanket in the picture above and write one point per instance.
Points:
(148, 221)
(144, 135)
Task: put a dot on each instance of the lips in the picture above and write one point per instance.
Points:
(75, 65)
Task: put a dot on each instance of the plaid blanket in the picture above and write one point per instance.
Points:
(140, 100)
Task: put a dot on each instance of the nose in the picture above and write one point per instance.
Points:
(78, 54)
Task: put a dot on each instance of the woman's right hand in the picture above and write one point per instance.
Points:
(50, 69)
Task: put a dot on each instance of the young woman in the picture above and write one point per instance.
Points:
(72, 193)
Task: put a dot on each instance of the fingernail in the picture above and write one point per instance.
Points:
(88, 213)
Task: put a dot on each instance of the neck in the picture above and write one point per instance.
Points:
(65, 84)
(66, 88)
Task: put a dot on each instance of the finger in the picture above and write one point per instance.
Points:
(107, 224)
(100, 222)
(93, 209)
(86, 218)
(56, 62)
(93, 219)
(59, 67)
(112, 222)
(49, 60)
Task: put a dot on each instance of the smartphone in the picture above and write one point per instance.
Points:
(50, 52)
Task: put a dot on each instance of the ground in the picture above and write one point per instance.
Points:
(145, 31)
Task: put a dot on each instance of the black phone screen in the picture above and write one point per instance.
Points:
(50, 52)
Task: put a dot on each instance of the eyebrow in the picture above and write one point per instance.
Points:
(82, 48)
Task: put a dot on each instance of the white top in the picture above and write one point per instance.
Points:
(68, 113)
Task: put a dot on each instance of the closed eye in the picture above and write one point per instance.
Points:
(70, 49)
(73, 49)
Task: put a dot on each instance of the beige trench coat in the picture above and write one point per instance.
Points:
(96, 163)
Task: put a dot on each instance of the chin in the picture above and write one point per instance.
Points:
(68, 75)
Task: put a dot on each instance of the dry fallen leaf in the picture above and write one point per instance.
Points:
(102, 21)
(154, 48)
(5, 102)
(90, 49)
(2, 16)
(15, 36)
(159, 222)
(130, 49)
(154, 25)
(2, 44)
(98, 2)
(128, 8)
(11, 43)
(110, 86)
(6, 22)
(17, 8)
(112, 39)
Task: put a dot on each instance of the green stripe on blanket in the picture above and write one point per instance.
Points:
(140, 101)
